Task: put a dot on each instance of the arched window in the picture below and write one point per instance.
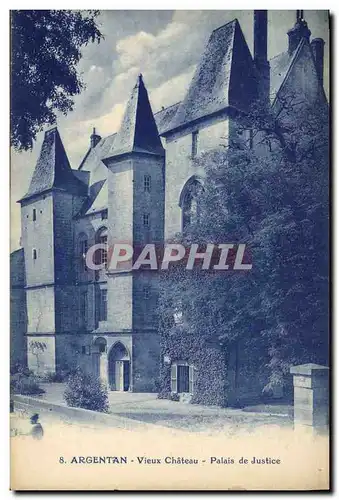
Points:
(101, 253)
(101, 344)
(82, 251)
(189, 201)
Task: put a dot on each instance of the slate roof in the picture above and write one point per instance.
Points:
(225, 77)
(164, 116)
(97, 171)
(279, 66)
(225, 65)
(138, 131)
(53, 169)
(97, 198)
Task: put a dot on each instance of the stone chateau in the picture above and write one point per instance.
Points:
(139, 185)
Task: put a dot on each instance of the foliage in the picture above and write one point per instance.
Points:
(210, 383)
(86, 391)
(175, 397)
(274, 198)
(24, 382)
(46, 48)
(20, 367)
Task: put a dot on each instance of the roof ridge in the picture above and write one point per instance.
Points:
(293, 57)
(167, 107)
(226, 24)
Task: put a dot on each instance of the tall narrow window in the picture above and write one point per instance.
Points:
(104, 214)
(83, 308)
(182, 377)
(34, 214)
(101, 253)
(146, 220)
(34, 254)
(147, 183)
(103, 305)
(83, 247)
(251, 138)
(195, 143)
(147, 292)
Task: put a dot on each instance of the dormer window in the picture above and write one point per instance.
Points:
(34, 214)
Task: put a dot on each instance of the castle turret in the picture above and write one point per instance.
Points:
(136, 216)
(53, 197)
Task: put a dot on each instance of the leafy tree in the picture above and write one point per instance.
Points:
(274, 198)
(45, 51)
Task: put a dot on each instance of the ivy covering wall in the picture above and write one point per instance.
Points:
(210, 384)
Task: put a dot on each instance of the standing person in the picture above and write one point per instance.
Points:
(37, 431)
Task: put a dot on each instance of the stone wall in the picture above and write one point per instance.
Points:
(38, 235)
(18, 309)
(212, 133)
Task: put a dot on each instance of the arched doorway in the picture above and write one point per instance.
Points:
(119, 368)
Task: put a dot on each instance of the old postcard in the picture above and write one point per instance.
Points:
(170, 250)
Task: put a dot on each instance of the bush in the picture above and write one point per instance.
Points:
(25, 383)
(164, 394)
(175, 396)
(20, 368)
(85, 391)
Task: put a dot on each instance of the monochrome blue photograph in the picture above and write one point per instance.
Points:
(170, 250)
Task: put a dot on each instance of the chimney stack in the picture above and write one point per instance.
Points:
(300, 30)
(260, 54)
(95, 138)
(317, 46)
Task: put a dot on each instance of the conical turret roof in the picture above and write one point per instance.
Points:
(53, 169)
(138, 132)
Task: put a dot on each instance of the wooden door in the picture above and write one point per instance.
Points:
(126, 375)
(119, 375)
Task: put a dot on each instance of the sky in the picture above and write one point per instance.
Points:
(165, 46)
